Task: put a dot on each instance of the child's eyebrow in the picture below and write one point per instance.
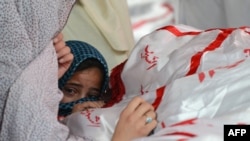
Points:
(95, 89)
(74, 84)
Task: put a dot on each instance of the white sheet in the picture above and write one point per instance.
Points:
(197, 80)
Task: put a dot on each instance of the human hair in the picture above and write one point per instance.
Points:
(94, 63)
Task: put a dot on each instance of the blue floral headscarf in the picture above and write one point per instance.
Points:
(81, 51)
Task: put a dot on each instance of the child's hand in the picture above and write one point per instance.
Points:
(64, 55)
(87, 105)
(138, 119)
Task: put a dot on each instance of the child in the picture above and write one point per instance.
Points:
(85, 80)
(85, 85)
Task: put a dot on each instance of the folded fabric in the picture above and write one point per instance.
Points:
(197, 80)
(29, 94)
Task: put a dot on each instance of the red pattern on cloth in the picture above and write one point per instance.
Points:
(117, 86)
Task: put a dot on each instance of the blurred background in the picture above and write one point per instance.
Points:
(148, 15)
(115, 26)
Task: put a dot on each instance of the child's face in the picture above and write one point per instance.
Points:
(82, 84)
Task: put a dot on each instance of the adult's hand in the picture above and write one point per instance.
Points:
(132, 122)
(64, 55)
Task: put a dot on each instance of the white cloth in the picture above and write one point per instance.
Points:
(197, 80)
(105, 24)
(206, 14)
(148, 15)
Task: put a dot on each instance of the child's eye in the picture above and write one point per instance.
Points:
(93, 94)
(69, 91)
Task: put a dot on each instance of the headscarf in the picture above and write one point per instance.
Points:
(81, 51)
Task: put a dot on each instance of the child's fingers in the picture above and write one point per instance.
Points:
(66, 58)
(58, 38)
(59, 45)
(92, 104)
(63, 52)
(133, 105)
(87, 105)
